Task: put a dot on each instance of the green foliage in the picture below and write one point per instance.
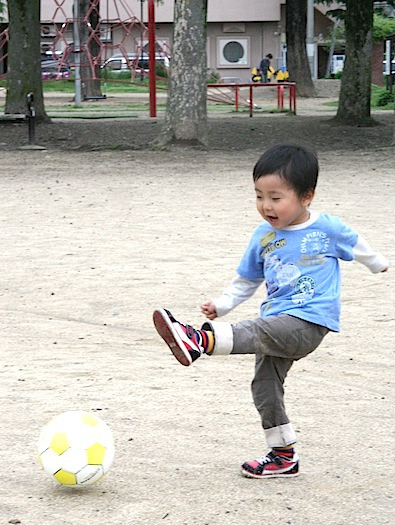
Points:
(337, 35)
(383, 26)
(108, 74)
(382, 98)
(213, 77)
(114, 85)
(161, 70)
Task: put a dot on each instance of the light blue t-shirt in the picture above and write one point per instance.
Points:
(300, 267)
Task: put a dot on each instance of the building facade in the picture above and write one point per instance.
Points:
(239, 34)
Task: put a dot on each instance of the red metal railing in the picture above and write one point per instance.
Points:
(281, 89)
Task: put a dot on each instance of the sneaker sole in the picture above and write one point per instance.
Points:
(247, 474)
(165, 329)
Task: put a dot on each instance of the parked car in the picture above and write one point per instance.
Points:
(50, 69)
(119, 63)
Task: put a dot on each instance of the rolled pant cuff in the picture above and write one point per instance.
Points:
(223, 337)
(280, 436)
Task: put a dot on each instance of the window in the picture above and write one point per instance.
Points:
(233, 52)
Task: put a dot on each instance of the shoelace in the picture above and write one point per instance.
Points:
(271, 457)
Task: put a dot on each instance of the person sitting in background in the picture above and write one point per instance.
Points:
(264, 67)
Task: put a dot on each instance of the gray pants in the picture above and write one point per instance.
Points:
(277, 342)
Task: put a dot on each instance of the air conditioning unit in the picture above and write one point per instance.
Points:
(233, 52)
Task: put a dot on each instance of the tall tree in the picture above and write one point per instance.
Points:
(297, 61)
(24, 60)
(186, 112)
(89, 20)
(355, 91)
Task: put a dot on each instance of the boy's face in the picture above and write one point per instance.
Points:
(279, 204)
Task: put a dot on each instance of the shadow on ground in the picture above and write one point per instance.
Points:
(238, 133)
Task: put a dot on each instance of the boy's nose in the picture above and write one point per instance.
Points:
(266, 206)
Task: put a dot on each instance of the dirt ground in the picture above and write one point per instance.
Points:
(97, 231)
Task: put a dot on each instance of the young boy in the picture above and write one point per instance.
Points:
(295, 251)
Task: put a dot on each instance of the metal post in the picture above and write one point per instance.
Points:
(251, 102)
(151, 57)
(77, 56)
(31, 115)
(294, 98)
(280, 97)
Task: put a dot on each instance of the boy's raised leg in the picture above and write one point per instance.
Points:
(186, 343)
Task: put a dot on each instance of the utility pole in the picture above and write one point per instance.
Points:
(77, 54)
(310, 46)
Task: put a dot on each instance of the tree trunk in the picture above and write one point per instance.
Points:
(297, 61)
(24, 60)
(186, 112)
(355, 91)
(89, 19)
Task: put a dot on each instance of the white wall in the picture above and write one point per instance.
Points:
(218, 10)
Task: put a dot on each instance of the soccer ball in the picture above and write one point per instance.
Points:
(76, 448)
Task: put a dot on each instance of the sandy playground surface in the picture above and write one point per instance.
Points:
(93, 241)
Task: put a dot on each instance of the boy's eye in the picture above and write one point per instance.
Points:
(276, 198)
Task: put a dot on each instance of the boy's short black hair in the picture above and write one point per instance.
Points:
(297, 165)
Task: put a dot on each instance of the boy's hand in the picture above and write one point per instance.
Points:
(209, 310)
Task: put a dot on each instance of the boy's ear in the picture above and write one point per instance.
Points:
(308, 197)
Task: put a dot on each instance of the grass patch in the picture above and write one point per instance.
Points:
(110, 86)
(380, 99)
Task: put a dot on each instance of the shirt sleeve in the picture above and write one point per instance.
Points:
(346, 239)
(251, 265)
(364, 254)
(239, 290)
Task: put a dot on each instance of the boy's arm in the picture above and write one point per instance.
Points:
(239, 290)
(364, 254)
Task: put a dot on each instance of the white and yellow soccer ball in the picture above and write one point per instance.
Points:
(76, 448)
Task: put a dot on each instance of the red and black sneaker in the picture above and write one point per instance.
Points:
(184, 341)
(273, 465)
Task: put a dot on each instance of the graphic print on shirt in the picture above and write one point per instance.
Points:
(304, 290)
(285, 274)
(269, 243)
(313, 247)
